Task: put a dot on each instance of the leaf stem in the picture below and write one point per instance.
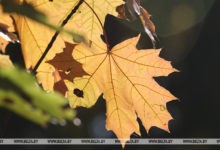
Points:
(53, 39)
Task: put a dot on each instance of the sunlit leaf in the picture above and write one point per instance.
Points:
(125, 77)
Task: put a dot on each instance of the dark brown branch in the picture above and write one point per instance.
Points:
(55, 36)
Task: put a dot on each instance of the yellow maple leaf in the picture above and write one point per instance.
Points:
(86, 21)
(91, 13)
(125, 77)
(34, 38)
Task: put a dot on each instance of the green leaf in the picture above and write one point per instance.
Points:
(20, 93)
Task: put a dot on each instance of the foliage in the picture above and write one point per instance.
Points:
(82, 71)
(20, 94)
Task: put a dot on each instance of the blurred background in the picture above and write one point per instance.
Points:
(188, 32)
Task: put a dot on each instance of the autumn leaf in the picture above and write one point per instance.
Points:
(59, 84)
(67, 67)
(5, 61)
(86, 19)
(6, 30)
(125, 77)
(65, 63)
(123, 74)
(34, 38)
(90, 15)
(135, 9)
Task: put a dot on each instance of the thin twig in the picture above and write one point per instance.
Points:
(55, 36)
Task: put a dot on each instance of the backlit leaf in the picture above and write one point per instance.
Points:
(34, 38)
(65, 63)
(67, 67)
(125, 77)
(85, 20)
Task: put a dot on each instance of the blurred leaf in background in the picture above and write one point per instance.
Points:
(19, 93)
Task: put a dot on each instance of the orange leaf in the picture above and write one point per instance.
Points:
(125, 77)
(65, 63)
(35, 37)
(66, 68)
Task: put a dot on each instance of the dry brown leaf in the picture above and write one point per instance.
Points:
(65, 63)
(59, 84)
(135, 9)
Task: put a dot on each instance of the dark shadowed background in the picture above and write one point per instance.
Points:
(189, 33)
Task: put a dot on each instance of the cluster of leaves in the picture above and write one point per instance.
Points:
(18, 89)
(82, 71)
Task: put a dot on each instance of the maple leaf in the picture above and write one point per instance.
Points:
(65, 63)
(34, 41)
(125, 77)
(34, 38)
(67, 67)
(86, 21)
